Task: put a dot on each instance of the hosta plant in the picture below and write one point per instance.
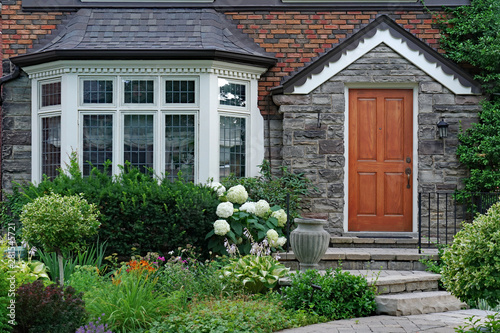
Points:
(256, 273)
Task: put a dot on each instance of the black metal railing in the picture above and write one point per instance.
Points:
(441, 215)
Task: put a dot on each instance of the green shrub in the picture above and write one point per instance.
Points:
(59, 223)
(239, 315)
(335, 295)
(137, 210)
(471, 269)
(41, 309)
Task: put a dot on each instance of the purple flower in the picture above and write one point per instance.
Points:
(161, 258)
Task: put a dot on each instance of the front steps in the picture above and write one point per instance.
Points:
(403, 293)
(367, 259)
(373, 242)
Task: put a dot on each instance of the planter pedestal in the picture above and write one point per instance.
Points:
(309, 242)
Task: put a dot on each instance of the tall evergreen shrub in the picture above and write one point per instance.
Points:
(137, 210)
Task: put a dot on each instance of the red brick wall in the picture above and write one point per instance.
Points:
(296, 38)
(20, 30)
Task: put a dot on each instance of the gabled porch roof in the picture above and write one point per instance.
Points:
(382, 30)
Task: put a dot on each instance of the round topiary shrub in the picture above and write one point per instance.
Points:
(471, 269)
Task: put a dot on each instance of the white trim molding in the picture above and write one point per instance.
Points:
(399, 46)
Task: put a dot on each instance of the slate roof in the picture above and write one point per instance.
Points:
(146, 33)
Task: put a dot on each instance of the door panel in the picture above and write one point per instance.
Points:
(380, 144)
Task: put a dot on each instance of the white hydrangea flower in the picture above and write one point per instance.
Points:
(221, 227)
(280, 215)
(237, 194)
(261, 208)
(248, 207)
(218, 187)
(281, 241)
(225, 210)
(272, 236)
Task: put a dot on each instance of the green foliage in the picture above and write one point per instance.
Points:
(59, 222)
(274, 189)
(341, 294)
(85, 279)
(471, 37)
(41, 309)
(479, 150)
(129, 303)
(256, 274)
(136, 209)
(238, 315)
(88, 256)
(490, 325)
(471, 269)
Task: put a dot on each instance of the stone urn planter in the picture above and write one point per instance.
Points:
(309, 242)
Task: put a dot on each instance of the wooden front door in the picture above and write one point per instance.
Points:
(380, 160)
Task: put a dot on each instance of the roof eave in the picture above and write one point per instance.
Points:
(126, 54)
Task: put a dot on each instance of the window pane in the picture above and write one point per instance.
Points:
(97, 92)
(138, 91)
(231, 93)
(179, 146)
(179, 91)
(51, 94)
(51, 146)
(97, 142)
(232, 146)
(138, 144)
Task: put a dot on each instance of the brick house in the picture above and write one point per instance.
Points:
(347, 92)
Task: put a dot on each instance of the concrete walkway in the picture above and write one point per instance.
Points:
(443, 322)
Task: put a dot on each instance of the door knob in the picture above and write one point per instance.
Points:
(408, 173)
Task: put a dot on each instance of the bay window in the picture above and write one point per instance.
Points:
(201, 121)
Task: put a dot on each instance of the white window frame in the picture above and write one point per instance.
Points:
(207, 109)
(94, 106)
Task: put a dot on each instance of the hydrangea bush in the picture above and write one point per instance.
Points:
(241, 221)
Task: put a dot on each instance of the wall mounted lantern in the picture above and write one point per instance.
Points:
(443, 128)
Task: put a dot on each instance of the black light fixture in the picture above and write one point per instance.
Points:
(443, 128)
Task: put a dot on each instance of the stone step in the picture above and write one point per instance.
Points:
(396, 282)
(417, 303)
(373, 242)
(367, 259)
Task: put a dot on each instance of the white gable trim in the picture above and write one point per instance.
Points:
(399, 46)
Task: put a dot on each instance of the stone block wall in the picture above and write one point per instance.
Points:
(313, 131)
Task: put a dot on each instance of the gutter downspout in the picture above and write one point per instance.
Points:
(5, 79)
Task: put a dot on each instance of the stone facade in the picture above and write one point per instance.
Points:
(313, 130)
(302, 132)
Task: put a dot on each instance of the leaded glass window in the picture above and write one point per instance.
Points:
(180, 146)
(180, 91)
(232, 94)
(51, 145)
(97, 141)
(232, 146)
(51, 94)
(138, 91)
(138, 138)
(97, 91)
